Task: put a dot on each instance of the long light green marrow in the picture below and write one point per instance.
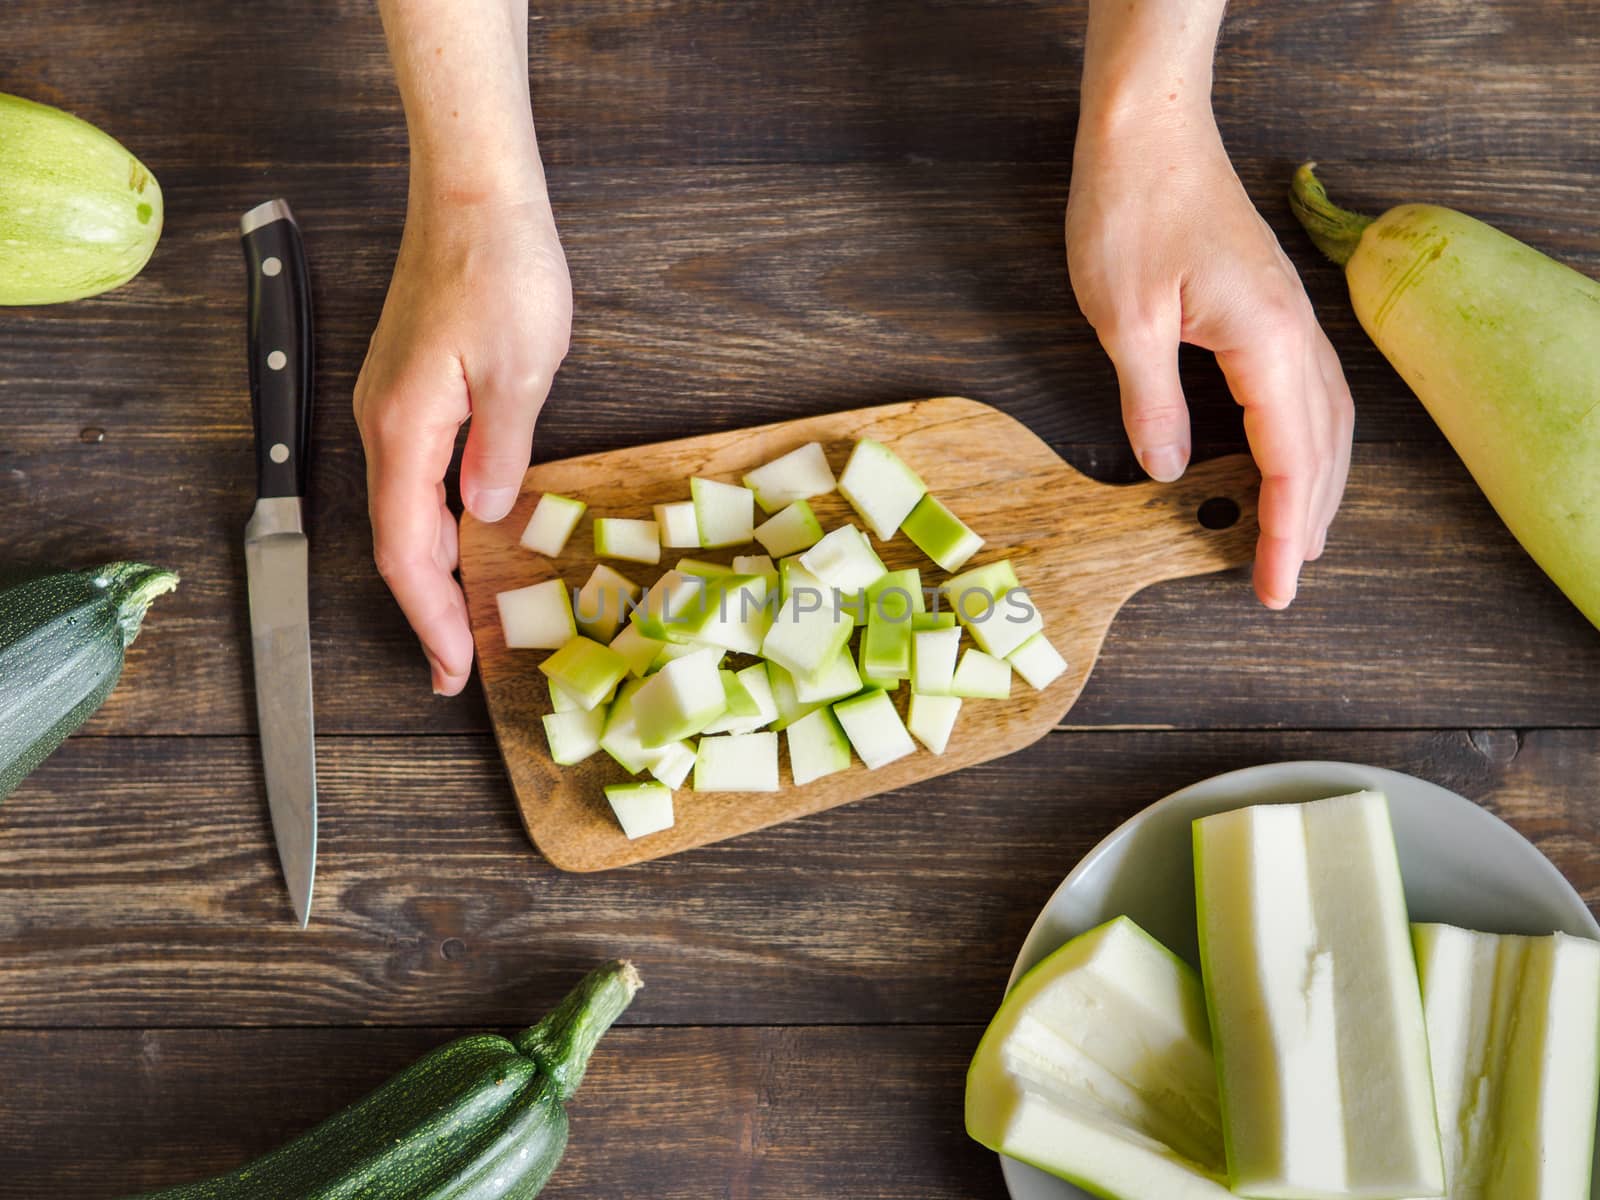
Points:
(1502, 345)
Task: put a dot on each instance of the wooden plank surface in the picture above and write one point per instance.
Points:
(705, 81)
(1423, 612)
(731, 295)
(138, 885)
(770, 211)
(664, 1114)
(1003, 482)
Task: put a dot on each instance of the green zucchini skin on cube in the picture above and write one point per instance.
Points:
(481, 1118)
(62, 638)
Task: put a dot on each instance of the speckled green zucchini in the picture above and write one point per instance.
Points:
(479, 1119)
(62, 637)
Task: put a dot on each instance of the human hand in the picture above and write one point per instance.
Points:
(1164, 246)
(476, 323)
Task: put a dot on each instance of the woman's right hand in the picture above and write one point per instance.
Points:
(475, 324)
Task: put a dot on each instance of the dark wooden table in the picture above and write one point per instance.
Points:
(770, 209)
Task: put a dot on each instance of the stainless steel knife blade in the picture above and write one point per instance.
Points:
(276, 557)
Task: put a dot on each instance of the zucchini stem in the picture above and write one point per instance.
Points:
(133, 586)
(562, 1043)
(1335, 230)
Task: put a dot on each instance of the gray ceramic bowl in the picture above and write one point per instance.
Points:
(1462, 865)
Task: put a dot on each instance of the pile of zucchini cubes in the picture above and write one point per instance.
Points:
(644, 674)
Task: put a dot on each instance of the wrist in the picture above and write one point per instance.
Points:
(1147, 65)
(487, 171)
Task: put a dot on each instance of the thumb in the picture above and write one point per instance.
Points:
(1153, 408)
(500, 439)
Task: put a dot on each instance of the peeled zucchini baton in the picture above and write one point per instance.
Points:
(479, 1119)
(61, 643)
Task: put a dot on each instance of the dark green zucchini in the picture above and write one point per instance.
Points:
(480, 1119)
(61, 641)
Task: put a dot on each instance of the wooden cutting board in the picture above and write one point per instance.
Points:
(1081, 549)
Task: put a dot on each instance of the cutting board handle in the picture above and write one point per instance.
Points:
(1153, 532)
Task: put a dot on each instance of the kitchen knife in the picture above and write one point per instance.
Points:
(275, 541)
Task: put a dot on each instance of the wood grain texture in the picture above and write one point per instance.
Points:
(1423, 612)
(138, 885)
(724, 296)
(1080, 548)
(664, 1114)
(625, 82)
(770, 211)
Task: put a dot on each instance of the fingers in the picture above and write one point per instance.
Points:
(1270, 379)
(505, 404)
(1341, 409)
(1153, 409)
(414, 537)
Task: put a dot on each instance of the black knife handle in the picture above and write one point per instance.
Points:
(281, 354)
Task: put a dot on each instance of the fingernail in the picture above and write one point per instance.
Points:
(1165, 463)
(491, 504)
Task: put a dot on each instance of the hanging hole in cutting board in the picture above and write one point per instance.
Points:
(1219, 512)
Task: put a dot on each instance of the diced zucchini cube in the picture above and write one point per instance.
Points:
(897, 595)
(808, 629)
(788, 704)
(798, 475)
(1038, 661)
(817, 747)
(677, 526)
(641, 808)
(573, 736)
(871, 678)
(604, 602)
(537, 617)
(944, 619)
(625, 538)
(981, 676)
(673, 763)
(702, 568)
(793, 529)
(554, 518)
(672, 601)
(933, 660)
(586, 670)
(680, 700)
(874, 728)
(738, 700)
(675, 650)
(737, 762)
(640, 651)
(993, 606)
(560, 701)
(736, 614)
(620, 737)
(886, 648)
(724, 512)
(940, 534)
(891, 603)
(881, 488)
(932, 718)
(757, 684)
(844, 559)
(834, 682)
(757, 564)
